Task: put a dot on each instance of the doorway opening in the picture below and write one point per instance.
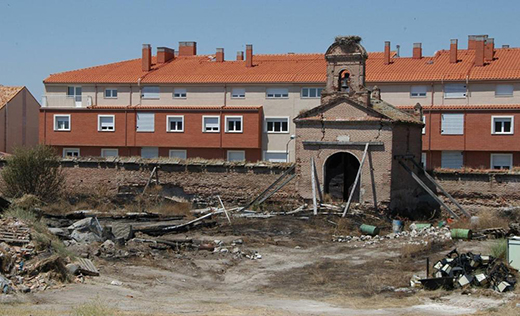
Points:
(340, 173)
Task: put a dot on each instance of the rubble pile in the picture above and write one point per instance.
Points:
(468, 269)
(415, 236)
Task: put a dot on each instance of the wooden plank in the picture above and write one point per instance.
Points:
(425, 187)
(358, 175)
(149, 179)
(313, 183)
(317, 182)
(224, 208)
(277, 189)
(86, 267)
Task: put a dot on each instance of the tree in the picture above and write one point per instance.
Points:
(33, 171)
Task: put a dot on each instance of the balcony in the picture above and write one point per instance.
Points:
(65, 101)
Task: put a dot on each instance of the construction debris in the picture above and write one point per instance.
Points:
(468, 269)
(86, 230)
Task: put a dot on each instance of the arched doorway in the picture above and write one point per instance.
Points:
(340, 173)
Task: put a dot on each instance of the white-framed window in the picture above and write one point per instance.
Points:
(451, 159)
(455, 91)
(502, 124)
(110, 93)
(504, 90)
(70, 152)
(109, 152)
(423, 119)
(236, 155)
(145, 122)
(238, 93)
(277, 93)
(175, 123)
(418, 91)
(106, 123)
(423, 160)
(502, 161)
(151, 92)
(74, 92)
(179, 93)
(178, 153)
(275, 156)
(452, 124)
(309, 93)
(210, 124)
(62, 122)
(277, 124)
(234, 124)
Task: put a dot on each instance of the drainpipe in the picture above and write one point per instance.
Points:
(6, 126)
(140, 92)
(225, 94)
(95, 95)
(287, 147)
(429, 155)
(222, 131)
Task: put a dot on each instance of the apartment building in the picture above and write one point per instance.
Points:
(470, 99)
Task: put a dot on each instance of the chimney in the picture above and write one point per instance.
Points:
(479, 50)
(387, 53)
(165, 54)
(505, 46)
(220, 55)
(472, 40)
(417, 51)
(249, 55)
(454, 50)
(187, 48)
(146, 59)
(489, 51)
(240, 55)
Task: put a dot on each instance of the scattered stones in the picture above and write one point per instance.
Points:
(116, 283)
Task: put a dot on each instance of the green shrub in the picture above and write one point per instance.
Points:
(33, 171)
(499, 249)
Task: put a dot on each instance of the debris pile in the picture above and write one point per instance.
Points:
(466, 270)
(415, 236)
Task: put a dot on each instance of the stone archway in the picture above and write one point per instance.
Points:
(340, 173)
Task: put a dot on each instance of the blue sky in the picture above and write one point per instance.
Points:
(38, 38)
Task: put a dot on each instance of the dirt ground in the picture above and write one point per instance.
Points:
(301, 272)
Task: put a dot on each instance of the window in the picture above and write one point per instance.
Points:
(177, 153)
(502, 124)
(504, 90)
(277, 93)
(236, 155)
(418, 92)
(233, 124)
(111, 93)
(501, 161)
(311, 93)
(150, 152)
(70, 152)
(211, 124)
(277, 125)
(74, 92)
(145, 122)
(179, 93)
(175, 123)
(452, 124)
(106, 123)
(451, 159)
(455, 91)
(423, 160)
(109, 152)
(238, 93)
(150, 92)
(62, 122)
(423, 119)
(275, 156)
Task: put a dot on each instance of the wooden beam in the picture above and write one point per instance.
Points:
(358, 175)
(224, 208)
(313, 183)
(317, 181)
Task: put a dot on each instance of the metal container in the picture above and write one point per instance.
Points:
(461, 233)
(369, 230)
(422, 226)
(397, 226)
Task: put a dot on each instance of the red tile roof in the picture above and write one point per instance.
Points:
(465, 107)
(7, 94)
(301, 68)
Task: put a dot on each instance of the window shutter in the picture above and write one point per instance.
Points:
(504, 90)
(454, 91)
(150, 152)
(145, 122)
(275, 157)
(452, 124)
(451, 159)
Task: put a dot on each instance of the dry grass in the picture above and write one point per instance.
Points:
(413, 250)
(486, 219)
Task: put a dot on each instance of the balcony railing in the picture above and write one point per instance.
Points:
(65, 101)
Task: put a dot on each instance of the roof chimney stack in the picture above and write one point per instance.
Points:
(489, 52)
(220, 55)
(417, 51)
(187, 48)
(454, 43)
(165, 54)
(249, 55)
(479, 50)
(387, 52)
(240, 55)
(472, 40)
(146, 58)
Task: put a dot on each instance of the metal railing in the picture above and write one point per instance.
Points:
(65, 101)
